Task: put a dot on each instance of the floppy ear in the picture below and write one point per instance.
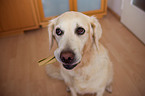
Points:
(97, 31)
(50, 32)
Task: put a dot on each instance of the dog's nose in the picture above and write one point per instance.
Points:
(67, 56)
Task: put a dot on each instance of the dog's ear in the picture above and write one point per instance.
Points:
(50, 32)
(97, 30)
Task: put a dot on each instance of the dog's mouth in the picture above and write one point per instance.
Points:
(70, 66)
(67, 58)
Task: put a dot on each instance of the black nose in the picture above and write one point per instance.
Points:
(67, 57)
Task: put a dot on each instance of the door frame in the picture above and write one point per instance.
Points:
(73, 7)
(41, 11)
(99, 13)
(134, 19)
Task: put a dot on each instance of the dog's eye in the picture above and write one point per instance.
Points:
(80, 31)
(59, 31)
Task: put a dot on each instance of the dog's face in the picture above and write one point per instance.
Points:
(72, 30)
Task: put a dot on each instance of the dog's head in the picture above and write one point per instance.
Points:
(72, 30)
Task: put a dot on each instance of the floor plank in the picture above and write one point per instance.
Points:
(20, 74)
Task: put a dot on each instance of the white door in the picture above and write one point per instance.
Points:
(134, 19)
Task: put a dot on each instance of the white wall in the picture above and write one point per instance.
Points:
(115, 5)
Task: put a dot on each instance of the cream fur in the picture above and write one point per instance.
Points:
(94, 74)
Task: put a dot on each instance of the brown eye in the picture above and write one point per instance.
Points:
(80, 31)
(59, 32)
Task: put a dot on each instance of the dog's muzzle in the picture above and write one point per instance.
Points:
(68, 59)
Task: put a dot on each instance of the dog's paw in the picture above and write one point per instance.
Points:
(109, 89)
(68, 90)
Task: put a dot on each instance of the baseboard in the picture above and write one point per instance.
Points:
(11, 33)
(115, 14)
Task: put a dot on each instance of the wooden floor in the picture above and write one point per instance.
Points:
(21, 76)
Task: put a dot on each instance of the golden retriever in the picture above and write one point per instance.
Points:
(84, 65)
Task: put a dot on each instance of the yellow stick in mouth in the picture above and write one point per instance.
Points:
(48, 60)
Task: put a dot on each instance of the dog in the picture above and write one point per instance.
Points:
(84, 65)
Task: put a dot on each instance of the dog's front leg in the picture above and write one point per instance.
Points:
(73, 92)
(100, 92)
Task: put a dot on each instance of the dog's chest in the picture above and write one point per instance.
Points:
(83, 80)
